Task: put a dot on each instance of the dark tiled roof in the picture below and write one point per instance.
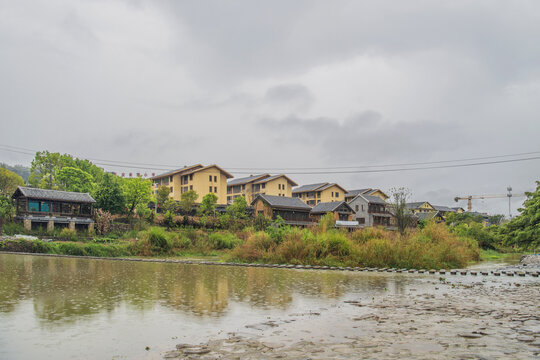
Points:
(172, 172)
(352, 193)
(310, 187)
(443, 208)
(415, 205)
(374, 199)
(327, 186)
(323, 208)
(267, 179)
(227, 174)
(246, 180)
(45, 194)
(283, 202)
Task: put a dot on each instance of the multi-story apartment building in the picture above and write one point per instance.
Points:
(370, 210)
(314, 194)
(201, 179)
(251, 186)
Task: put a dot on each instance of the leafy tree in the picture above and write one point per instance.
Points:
(74, 179)
(20, 170)
(463, 218)
(399, 208)
(162, 196)
(238, 209)
(9, 181)
(188, 200)
(109, 196)
(136, 191)
(6, 210)
(208, 204)
(170, 205)
(523, 231)
(496, 219)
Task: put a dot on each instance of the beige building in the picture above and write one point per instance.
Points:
(351, 194)
(201, 179)
(314, 194)
(265, 184)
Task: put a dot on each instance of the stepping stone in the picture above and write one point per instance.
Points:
(470, 335)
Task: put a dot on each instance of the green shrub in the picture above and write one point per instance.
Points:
(220, 241)
(157, 237)
(68, 234)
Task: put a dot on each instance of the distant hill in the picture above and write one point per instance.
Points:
(22, 171)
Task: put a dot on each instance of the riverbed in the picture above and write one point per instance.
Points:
(76, 308)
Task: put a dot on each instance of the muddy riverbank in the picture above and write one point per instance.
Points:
(459, 318)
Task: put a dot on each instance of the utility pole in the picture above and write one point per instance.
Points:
(509, 188)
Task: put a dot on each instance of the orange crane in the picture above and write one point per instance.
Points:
(469, 198)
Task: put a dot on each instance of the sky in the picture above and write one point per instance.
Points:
(254, 86)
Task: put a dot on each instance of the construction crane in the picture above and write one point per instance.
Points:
(509, 195)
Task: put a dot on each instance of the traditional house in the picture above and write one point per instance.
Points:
(38, 207)
(292, 210)
(370, 210)
(201, 179)
(314, 194)
(339, 209)
(351, 194)
(420, 206)
(436, 216)
(250, 187)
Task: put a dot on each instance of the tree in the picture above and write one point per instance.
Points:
(399, 208)
(6, 210)
(463, 218)
(238, 209)
(9, 181)
(136, 191)
(162, 196)
(109, 196)
(74, 179)
(523, 231)
(20, 170)
(496, 219)
(188, 200)
(208, 204)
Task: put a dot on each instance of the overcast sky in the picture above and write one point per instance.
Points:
(288, 84)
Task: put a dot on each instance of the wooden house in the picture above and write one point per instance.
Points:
(339, 209)
(53, 207)
(292, 210)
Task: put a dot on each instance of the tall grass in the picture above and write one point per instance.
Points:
(432, 247)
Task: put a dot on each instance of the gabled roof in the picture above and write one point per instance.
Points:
(427, 215)
(228, 175)
(374, 199)
(177, 171)
(416, 205)
(327, 186)
(323, 208)
(373, 191)
(45, 194)
(352, 193)
(282, 202)
(443, 208)
(310, 187)
(270, 178)
(247, 179)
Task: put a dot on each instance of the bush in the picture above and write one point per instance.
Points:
(157, 237)
(68, 234)
(13, 228)
(220, 241)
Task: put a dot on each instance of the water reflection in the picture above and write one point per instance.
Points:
(67, 289)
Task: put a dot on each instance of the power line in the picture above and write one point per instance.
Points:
(379, 168)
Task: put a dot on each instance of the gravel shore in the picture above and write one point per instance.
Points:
(446, 318)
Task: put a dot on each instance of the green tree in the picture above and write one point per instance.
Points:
(238, 209)
(188, 200)
(109, 196)
(136, 191)
(9, 181)
(455, 218)
(74, 179)
(399, 208)
(20, 170)
(162, 196)
(6, 210)
(496, 219)
(523, 231)
(208, 204)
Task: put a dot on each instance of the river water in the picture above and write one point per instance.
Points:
(77, 308)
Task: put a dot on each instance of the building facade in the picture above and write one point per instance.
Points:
(314, 194)
(250, 187)
(339, 209)
(292, 210)
(50, 208)
(370, 210)
(199, 178)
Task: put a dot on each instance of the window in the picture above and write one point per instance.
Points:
(337, 194)
(361, 220)
(209, 189)
(362, 207)
(244, 187)
(215, 178)
(210, 178)
(170, 178)
(357, 208)
(332, 194)
(279, 186)
(57, 207)
(33, 206)
(66, 208)
(263, 186)
(215, 189)
(190, 177)
(190, 187)
(318, 194)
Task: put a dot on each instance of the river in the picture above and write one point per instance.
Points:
(77, 308)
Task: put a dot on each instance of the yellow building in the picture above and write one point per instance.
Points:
(201, 179)
(351, 194)
(249, 187)
(314, 194)
(420, 207)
